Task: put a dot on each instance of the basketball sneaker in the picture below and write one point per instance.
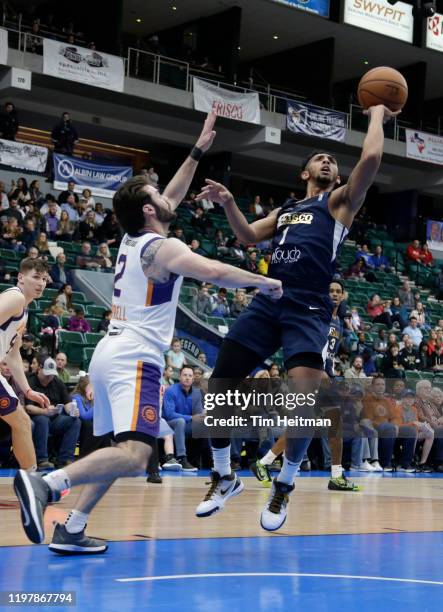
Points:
(261, 472)
(65, 543)
(185, 465)
(274, 514)
(222, 488)
(171, 463)
(342, 484)
(34, 494)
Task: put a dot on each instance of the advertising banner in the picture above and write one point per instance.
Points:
(425, 147)
(102, 180)
(23, 155)
(230, 104)
(315, 121)
(395, 20)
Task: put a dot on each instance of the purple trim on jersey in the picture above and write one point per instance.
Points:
(162, 292)
(148, 417)
(8, 403)
(145, 246)
(5, 325)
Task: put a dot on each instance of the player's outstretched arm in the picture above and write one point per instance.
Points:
(245, 232)
(348, 199)
(178, 186)
(176, 257)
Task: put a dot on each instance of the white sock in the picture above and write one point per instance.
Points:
(222, 460)
(58, 481)
(288, 471)
(268, 458)
(76, 521)
(336, 471)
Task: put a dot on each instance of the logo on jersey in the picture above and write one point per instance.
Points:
(4, 403)
(295, 219)
(285, 256)
(149, 414)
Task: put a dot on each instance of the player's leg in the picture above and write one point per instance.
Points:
(260, 468)
(21, 433)
(338, 481)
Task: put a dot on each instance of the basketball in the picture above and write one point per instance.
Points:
(383, 85)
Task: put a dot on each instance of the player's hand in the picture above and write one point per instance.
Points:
(207, 135)
(386, 113)
(39, 398)
(216, 192)
(271, 287)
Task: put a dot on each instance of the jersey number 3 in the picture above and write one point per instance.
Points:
(119, 275)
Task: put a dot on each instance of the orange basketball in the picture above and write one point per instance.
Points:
(383, 85)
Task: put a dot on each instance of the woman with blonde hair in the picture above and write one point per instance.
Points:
(42, 244)
(64, 299)
(65, 227)
(104, 256)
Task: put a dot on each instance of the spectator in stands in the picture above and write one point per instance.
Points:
(379, 261)
(4, 201)
(409, 357)
(103, 325)
(182, 404)
(63, 427)
(175, 357)
(5, 276)
(406, 296)
(15, 211)
(264, 263)
(200, 382)
(268, 206)
(70, 206)
(414, 331)
(356, 323)
(64, 135)
(29, 234)
(200, 221)
(381, 343)
(203, 359)
(83, 395)
(19, 191)
(64, 298)
(110, 230)
(436, 399)
(359, 269)
(425, 432)
(34, 40)
(178, 233)
(251, 262)
(33, 252)
(88, 228)
(363, 253)
(391, 366)
(420, 314)
(201, 303)
(369, 367)
(434, 350)
(85, 260)
(190, 202)
(363, 344)
(195, 247)
(9, 122)
(221, 243)
(104, 257)
(62, 361)
(87, 196)
(51, 221)
(220, 303)
(27, 349)
(399, 313)
(167, 378)
(413, 252)
(99, 214)
(66, 227)
(59, 274)
(63, 197)
(426, 256)
(256, 208)
(385, 416)
(377, 310)
(78, 322)
(42, 244)
(45, 206)
(11, 236)
(428, 413)
(152, 177)
(238, 304)
(438, 285)
(356, 370)
(35, 193)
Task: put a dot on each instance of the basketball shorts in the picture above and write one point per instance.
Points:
(8, 398)
(125, 375)
(298, 322)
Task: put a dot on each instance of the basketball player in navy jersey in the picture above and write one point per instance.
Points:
(306, 237)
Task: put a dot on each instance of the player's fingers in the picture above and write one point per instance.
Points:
(213, 183)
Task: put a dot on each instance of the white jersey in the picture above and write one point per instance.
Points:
(144, 307)
(12, 329)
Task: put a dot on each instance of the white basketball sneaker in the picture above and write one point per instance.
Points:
(222, 488)
(274, 514)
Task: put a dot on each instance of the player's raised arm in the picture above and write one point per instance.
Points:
(245, 232)
(176, 257)
(178, 186)
(348, 199)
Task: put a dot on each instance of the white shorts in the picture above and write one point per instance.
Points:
(8, 398)
(125, 375)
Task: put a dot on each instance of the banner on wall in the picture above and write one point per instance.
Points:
(226, 103)
(315, 121)
(424, 147)
(434, 231)
(318, 7)
(102, 180)
(3, 46)
(434, 32)
(22, 155)
(82, 65)
(395, 20)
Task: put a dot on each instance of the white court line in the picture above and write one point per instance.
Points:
(277, 574)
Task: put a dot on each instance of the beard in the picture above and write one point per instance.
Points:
(325, 181)
(164, 215)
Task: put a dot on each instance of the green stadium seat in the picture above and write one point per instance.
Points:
(86, 357)
(73, 344)
(93, 338)
(95, 311)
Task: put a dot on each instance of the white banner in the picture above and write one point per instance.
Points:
(82, 65)
(3, 46)
(395, 20)
(425, 147)
(23, 155)
(434, 34)
(226, 103)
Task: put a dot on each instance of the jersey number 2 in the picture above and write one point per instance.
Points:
(118, 275)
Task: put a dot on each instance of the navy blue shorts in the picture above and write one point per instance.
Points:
(298, 322)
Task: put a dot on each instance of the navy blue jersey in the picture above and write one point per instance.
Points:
(306, 243)
(335, 333)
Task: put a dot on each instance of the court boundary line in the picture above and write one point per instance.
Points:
(278, 575)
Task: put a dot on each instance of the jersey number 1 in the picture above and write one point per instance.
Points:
(118, 275)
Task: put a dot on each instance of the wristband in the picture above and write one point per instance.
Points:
(196, 154)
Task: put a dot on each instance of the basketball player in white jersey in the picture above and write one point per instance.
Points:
(127, 364)
(14, 302)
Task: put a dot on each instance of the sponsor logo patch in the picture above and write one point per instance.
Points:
(149, 414)
(4, 403)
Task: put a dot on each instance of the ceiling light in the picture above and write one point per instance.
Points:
(239, 48)
(138, 20)
(275, 37)
(174, 8)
